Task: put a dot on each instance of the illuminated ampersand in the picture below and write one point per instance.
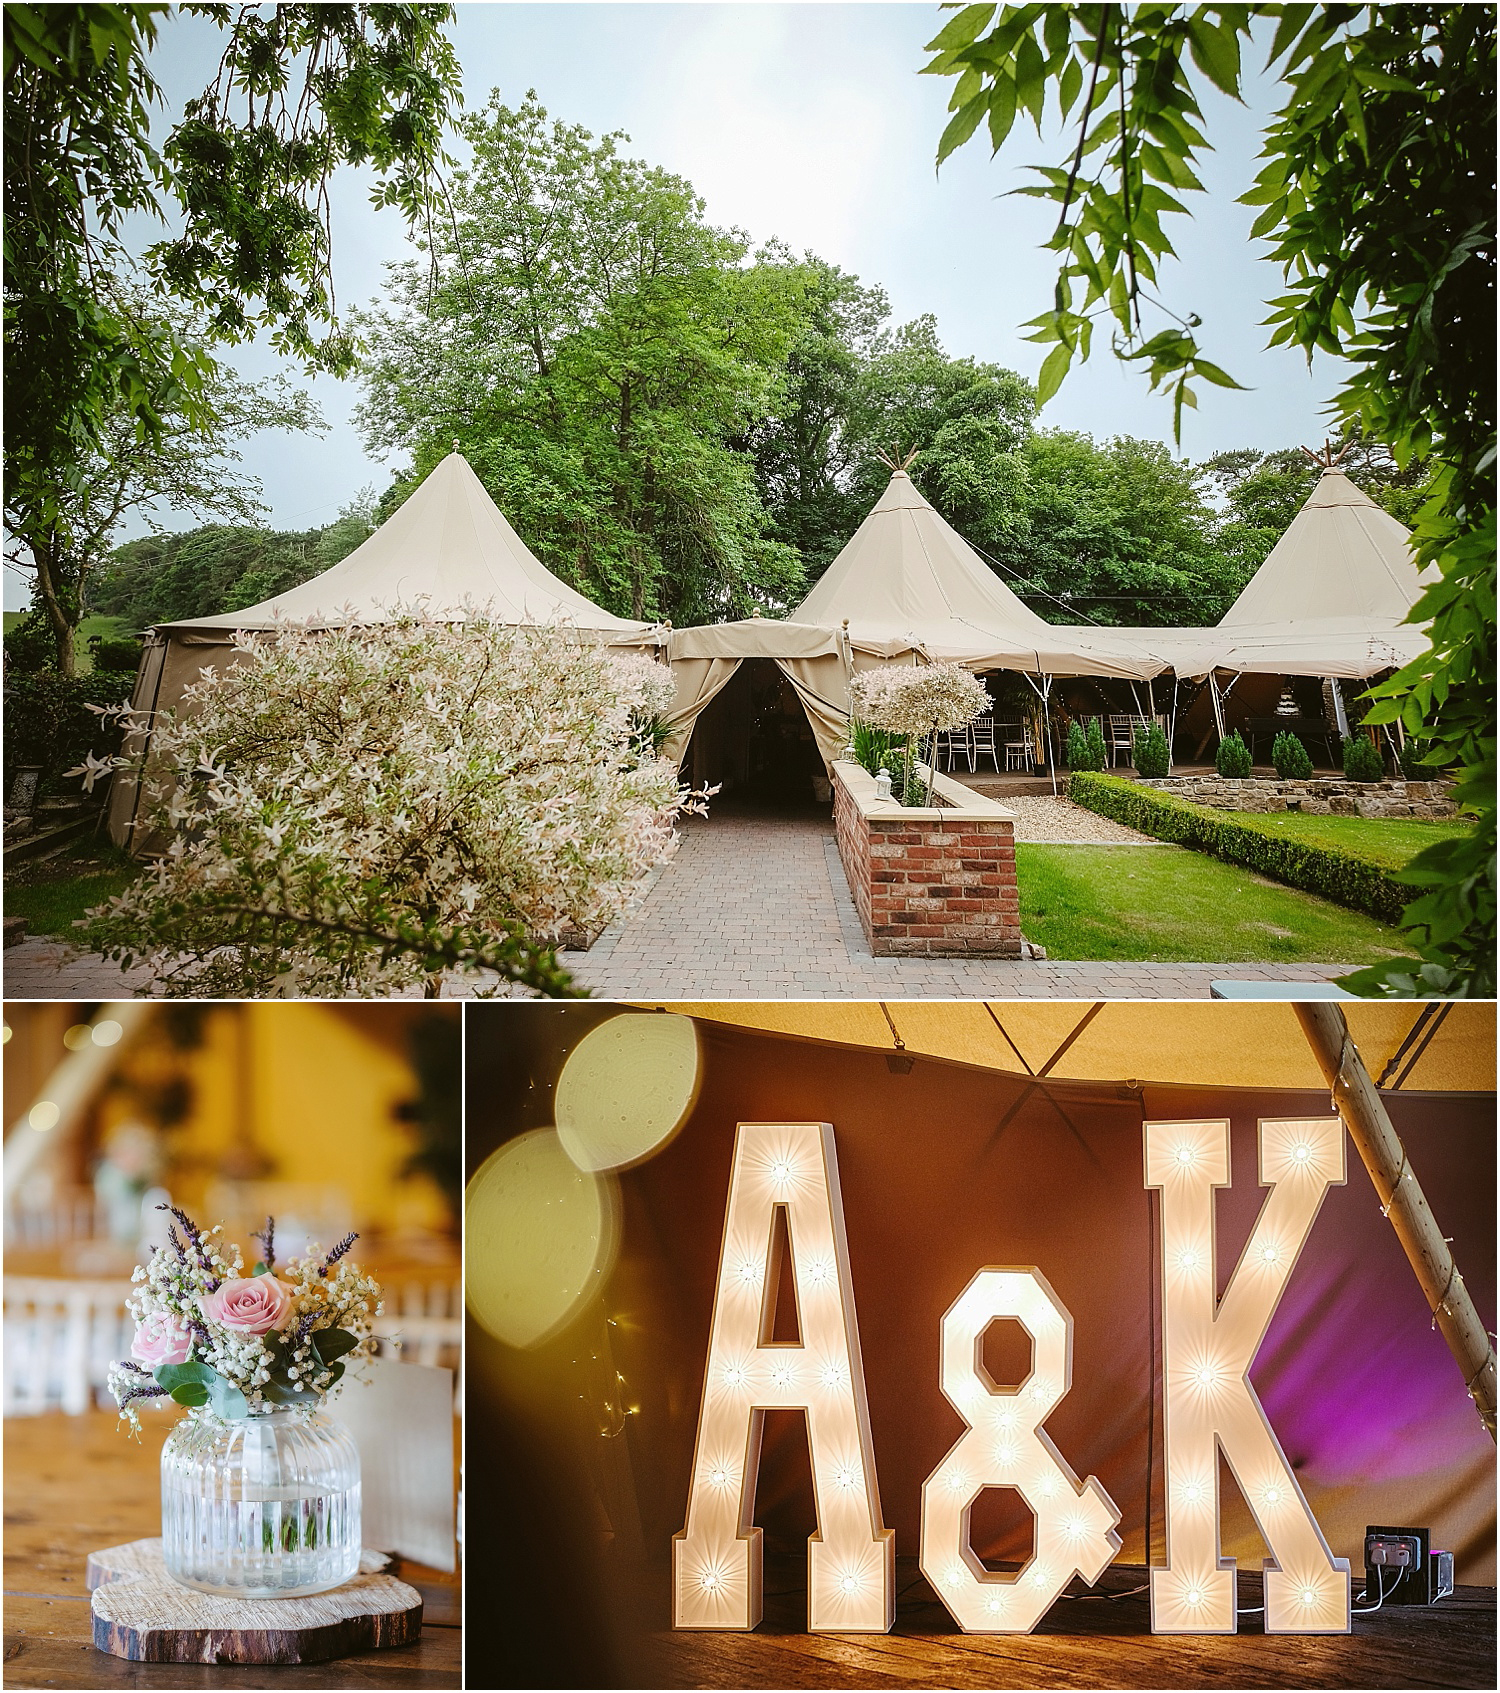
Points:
(716, 1560)
(1004, 1446)
(1210, 1404)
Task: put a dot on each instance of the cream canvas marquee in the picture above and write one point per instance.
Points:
(905, 588)
(908, 582)
(1331, 599)
(448, 549)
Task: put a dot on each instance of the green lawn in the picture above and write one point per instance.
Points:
(108, 626)
(56, 893)
(1389, 842)
(1165, 904)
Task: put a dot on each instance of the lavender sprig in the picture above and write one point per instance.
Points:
(339, 1251)
(144, 1391)
(267, 1239)
(194, 1235)
(134, 1368)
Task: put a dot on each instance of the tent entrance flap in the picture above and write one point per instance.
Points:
(755, 739)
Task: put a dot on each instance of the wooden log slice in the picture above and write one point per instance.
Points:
(144, 1557)
(140, 1613)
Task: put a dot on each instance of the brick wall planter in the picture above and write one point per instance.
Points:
(1320, 795)
(938, 880)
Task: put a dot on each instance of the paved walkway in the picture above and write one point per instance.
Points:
(752, 907)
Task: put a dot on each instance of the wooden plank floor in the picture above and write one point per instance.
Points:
(1087, 1642)
(74, 1484)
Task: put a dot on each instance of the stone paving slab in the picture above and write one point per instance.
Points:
(751, 907)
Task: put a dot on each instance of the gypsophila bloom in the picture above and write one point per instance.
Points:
(355, 808)
(265, 1346)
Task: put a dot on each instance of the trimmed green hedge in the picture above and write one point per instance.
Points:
(1338, 876)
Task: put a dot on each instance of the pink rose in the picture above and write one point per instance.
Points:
(161, 1339)
(249, 1304)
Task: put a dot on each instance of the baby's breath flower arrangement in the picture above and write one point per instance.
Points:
(231, 1345)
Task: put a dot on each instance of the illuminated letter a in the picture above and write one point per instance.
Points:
(716, 1560)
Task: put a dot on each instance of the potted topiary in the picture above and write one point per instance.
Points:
(1290, 758)
(1152, 756)
(1233, 756)
(1362, 761)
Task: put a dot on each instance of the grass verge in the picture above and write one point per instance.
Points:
(54, 893)
(1157, 905)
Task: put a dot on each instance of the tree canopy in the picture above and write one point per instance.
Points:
(599, 350)
(239, 185)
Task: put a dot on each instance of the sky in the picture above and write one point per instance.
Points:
(810, 122)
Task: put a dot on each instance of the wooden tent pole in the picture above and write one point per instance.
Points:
(1402, 1200)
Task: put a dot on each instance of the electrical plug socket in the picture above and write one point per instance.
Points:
(1400, 1563)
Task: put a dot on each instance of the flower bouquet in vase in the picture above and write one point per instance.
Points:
(259, 1490)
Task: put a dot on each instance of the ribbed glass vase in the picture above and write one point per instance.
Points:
(260, 1507)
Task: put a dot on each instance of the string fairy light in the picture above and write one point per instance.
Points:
(1207, 1350)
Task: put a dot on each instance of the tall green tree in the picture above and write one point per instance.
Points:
(601, 352)
(243, 181)
(190, 463)
(1377, 198)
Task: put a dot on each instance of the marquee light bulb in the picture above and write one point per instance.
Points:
(1185, 1154)
(1079, 1515)
(1208, 1347)
(1188, 1260)
(851, 1559)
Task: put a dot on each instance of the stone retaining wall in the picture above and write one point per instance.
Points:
(933, 880)
(1319, 794)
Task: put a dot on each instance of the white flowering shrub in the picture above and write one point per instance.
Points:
(919, 700)
(230, 1345)
(355, 809)
(918, 703)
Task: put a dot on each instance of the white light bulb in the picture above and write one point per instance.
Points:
(833, 1375)
(1184, 1155)
(1188, 1260)
(1269, 1253)
(1308, 1596)
(719, 1477)
(846, 1477)
(994, 1607)
(1302, 1153)
(1205, 1375)
(734, 1375)
(709, 1580)
(781, 1172)
(1005, 1456)
(955, 1481)
(1193, 1596)
(1192, 1492)
(1273, 1495)
(955, 1577)
(749, 1272)
(781, 1375)
(849, 1583)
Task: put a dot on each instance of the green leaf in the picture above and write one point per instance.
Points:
(226, 1398)
(333, 1343)
(960, 127)
(1054, 369)
(960, 31)
(172, 1376)
(1031, 78)
(190, 1393)
(1070, 85)
(1216, 52)
(1002, 110)
(1212, 373)
(260, 1267)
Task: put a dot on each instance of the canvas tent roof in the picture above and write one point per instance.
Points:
(449, 545)
(1181, 1044)
(1331, 598)
(907, 580)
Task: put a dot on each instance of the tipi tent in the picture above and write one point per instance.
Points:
(448, 548)
(1331, 599)
(906, 586)
(907, 582)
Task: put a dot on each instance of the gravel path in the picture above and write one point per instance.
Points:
(1040, 818)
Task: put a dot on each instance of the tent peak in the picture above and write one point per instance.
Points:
(1327, 459)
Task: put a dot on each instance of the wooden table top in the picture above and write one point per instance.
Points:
(1087, 1643)
(76, 1484)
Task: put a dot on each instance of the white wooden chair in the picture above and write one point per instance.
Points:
(60, 1337)
(953, 744)
(423, 1323)
(982, 740)
(1020, 754)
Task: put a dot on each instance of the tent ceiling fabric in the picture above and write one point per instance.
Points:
(450, 546)
(908, 581)
(1192, 1044)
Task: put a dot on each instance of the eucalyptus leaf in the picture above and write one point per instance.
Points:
(333, 1343)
